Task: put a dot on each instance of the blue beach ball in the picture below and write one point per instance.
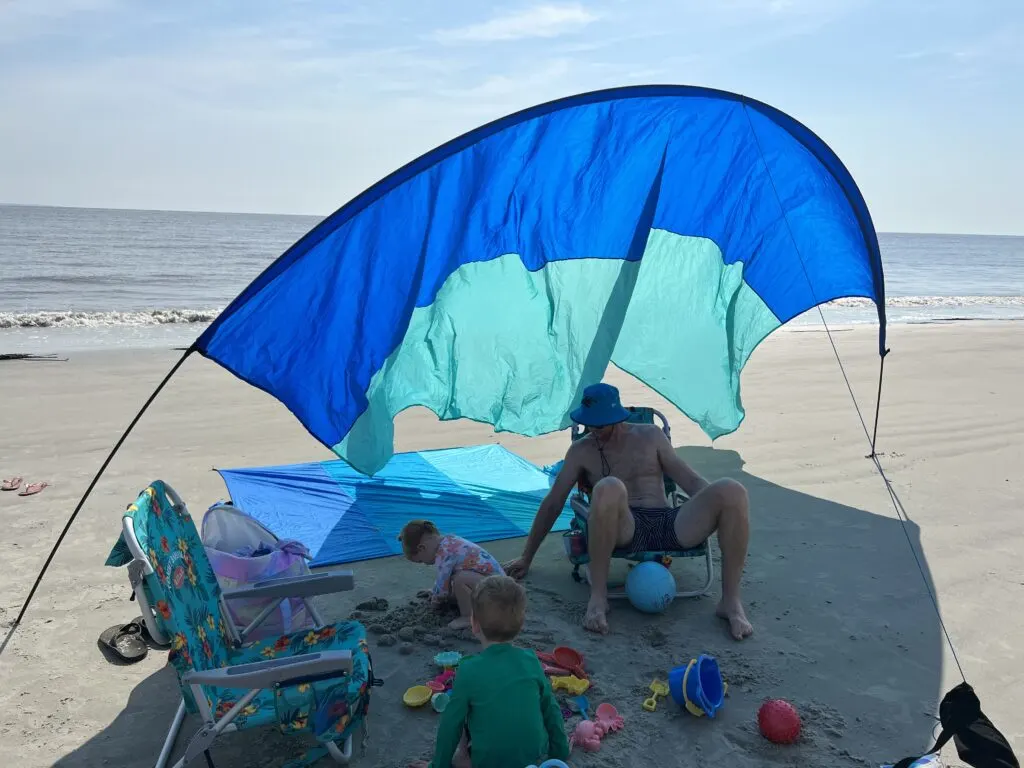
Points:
(650, 587)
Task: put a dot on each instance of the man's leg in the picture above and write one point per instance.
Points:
(722, 506)
(462, 590)
(610, 524)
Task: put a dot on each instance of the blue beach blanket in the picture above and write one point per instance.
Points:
(482, 493)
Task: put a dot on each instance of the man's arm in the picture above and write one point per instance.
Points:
(681, 473)
(553, 504)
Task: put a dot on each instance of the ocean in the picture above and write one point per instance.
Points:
(76, 279)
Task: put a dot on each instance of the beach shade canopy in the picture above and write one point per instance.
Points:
(665, 229)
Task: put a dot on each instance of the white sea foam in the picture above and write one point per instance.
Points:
(193, 316)
(937, 302)
(106, 319)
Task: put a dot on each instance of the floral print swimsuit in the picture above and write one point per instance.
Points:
(456, 554)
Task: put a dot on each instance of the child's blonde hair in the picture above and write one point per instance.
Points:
(412, 534)
(499, 607)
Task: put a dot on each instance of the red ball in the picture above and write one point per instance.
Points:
(779, 721)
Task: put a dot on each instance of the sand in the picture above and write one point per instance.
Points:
(844, 626)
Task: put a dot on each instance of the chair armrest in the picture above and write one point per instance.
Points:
(296, 586)
(264, 674)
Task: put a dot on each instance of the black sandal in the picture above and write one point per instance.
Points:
(147, 636)
(125, 641)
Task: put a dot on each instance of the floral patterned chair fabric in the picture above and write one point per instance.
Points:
(188, 602)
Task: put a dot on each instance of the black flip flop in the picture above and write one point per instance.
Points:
(148, 636)
(125, 641)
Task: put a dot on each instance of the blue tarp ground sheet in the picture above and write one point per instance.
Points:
(481, 493)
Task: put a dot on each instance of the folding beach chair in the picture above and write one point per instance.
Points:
(228, 524)
(575, 539)
(316, 680)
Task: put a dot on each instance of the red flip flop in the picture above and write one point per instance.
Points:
(32, 489)
(11, 485)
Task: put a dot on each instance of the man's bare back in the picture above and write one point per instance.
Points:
(632, 457)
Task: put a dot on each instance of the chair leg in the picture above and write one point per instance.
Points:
(618, 592)
(318, 620)
(709, 567)
(172, 736)
(342, 755)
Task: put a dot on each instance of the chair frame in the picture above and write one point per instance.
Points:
(580, 505)
(261, 675)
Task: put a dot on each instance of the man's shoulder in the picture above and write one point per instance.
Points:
(650, 432)
(581, 447)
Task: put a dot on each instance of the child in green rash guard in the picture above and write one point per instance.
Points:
(502, 713)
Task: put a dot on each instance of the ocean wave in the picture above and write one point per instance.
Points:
(102, 319)
(937, 302)
(191, 316)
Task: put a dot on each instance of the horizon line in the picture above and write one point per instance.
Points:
(325, 215)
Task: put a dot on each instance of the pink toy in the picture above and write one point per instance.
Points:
(442, 682)
(588, 733)
(608, 718)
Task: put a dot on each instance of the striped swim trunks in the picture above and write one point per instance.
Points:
(654, 531)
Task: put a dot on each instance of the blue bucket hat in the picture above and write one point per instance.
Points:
(600, 407)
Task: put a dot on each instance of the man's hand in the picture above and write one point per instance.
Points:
(550, 508)
(517, 568)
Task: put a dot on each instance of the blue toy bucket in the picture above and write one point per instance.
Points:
(698, 687)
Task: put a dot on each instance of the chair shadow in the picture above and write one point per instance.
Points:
(844, 628)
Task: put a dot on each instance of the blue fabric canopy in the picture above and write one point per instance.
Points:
(666, 229)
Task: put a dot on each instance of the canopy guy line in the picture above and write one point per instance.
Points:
(872, 435)
(85, 497)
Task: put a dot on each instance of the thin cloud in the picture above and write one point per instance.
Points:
(22, 20)
(544, 21)
(999, 46)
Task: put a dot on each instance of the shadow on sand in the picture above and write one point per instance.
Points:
(844, 628)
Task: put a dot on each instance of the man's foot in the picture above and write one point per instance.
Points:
(596, 618)
(732, 612)
(460, 623)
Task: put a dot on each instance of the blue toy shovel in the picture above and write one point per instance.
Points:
(582, 704)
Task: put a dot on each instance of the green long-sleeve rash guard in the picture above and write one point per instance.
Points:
(502, 698)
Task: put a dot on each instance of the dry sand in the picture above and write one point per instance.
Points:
(844, 626)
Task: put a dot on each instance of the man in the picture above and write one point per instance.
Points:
(623, 466)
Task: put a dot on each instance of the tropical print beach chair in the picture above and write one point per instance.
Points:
(315, 681)
(575, 539)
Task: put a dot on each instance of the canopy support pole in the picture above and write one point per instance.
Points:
(878, 405)
(88, 491)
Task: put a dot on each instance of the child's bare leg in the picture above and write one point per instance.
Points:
(461, 757)
(462, 590)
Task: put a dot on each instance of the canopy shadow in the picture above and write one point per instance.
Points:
(844, 629)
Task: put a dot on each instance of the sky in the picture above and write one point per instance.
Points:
(295, 107)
